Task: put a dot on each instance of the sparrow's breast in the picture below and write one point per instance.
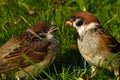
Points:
(89, 49)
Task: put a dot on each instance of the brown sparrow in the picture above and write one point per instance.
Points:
(96, 45)
(38, 43)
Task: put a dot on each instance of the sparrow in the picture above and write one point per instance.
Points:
(38, 44)
(98, 47)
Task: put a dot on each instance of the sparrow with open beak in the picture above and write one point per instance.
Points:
(95, 44)
(38, 44)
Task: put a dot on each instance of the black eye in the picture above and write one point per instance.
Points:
(80, 22)
(44, 31)
(73, 18)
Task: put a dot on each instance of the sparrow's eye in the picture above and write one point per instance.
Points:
(80, 21)
(44, 31)
(73, 18)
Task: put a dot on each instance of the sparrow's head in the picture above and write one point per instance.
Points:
(81, 18)
(44, 29)
(41, 27)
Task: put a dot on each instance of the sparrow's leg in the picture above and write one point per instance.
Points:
(94, 71)
(118, 77)
(3, 76)
(17, 78)
(117, 73)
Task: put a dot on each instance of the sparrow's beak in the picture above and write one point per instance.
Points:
(53, 29)
(50, 32)
(69, 22)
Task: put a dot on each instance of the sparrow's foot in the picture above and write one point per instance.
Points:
(118, 77)
(117, 74)
(3, 76)
(93, 72)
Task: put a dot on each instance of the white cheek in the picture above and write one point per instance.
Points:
(75, 22)
(81, 30)
(74, 25)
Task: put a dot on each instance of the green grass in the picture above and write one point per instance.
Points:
(69, 65)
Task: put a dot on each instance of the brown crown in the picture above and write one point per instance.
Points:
(41, 25)
(88, 17)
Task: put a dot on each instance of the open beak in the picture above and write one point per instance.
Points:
(50, 31)
(53, 29)
(69, 22)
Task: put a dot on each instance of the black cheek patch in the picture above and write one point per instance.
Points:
(80, 22)
(79, 37)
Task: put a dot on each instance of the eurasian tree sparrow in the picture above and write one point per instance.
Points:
(95, 44)
(38, 43)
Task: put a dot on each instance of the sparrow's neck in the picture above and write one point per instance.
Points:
(82, 29)
(85, 28)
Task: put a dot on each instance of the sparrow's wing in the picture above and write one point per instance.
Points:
(108, 41)
(11, 54)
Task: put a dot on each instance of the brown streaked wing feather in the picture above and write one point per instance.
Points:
(108, 41)
(29, 45)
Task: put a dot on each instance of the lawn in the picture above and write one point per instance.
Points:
(17, 15)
